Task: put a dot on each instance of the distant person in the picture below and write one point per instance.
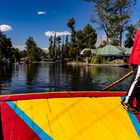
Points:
(134, 90)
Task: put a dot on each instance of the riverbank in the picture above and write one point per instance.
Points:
(99, 65)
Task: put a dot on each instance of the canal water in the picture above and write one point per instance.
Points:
(59, 77)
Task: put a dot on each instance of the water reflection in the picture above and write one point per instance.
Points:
(31, 73)
(5, 77)
(59, 77)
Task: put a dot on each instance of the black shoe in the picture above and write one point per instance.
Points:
(129, 108)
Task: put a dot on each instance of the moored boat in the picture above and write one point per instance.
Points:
(67, 115)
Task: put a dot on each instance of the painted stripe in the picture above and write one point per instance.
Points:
(135, 123)
(64, 94)
(41, 134)
(133, 84)
(134, 120)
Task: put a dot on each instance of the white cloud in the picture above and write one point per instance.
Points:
(5, 28)
(41, 12)
(20, 47)
(52, 33)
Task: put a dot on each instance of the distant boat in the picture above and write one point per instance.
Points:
(52, 60)
(47, 60)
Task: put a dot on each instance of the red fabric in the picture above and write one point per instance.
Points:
(135, 54)
(14, 128)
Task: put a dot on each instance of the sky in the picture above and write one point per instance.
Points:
(20, 19)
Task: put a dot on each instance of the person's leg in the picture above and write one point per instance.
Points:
(133, 90)
(131, 94)
(137, 106)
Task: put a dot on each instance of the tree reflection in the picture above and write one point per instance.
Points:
(31, 73)
(6, 72)
(58, 77)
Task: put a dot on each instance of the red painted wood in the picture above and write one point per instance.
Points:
(1, 131)
(14, 127)
(66, 94)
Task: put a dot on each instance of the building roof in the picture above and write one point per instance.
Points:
(110, 50)
(88, 49)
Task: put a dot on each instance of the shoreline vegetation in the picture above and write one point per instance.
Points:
(81, 44)
(99, 65)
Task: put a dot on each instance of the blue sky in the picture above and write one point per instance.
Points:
(23, 17)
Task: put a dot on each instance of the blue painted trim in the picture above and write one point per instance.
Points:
(41, 134)
(134, 121)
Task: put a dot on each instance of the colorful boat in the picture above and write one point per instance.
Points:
(77, 115)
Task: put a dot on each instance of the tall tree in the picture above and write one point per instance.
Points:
(87, 37)
(6, 49)
(73, 51)
(122, 14)
(32, 50)
(54, 46)
(16, 55)
(66, 47)
(70, 24)
(58, 42)
(51, 48)
(112, 16)
(131, 30)
(90, 36)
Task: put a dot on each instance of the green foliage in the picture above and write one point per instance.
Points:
(51, 49)
(97, 59)
(52, 46)
(23, 53)
(70, 24)
(55, 46)
(131, 30)
(73, 52)
(115, 42)
(112, 16)
(65, 48)
(16, 54)
(58, 50)
(90, 36)
(87, 37)
(33, 52)
(87, 53)
(6, 49)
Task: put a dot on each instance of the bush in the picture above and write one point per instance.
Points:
(87, 53)
(96, 59)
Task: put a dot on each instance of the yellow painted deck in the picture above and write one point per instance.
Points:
(81, 118)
